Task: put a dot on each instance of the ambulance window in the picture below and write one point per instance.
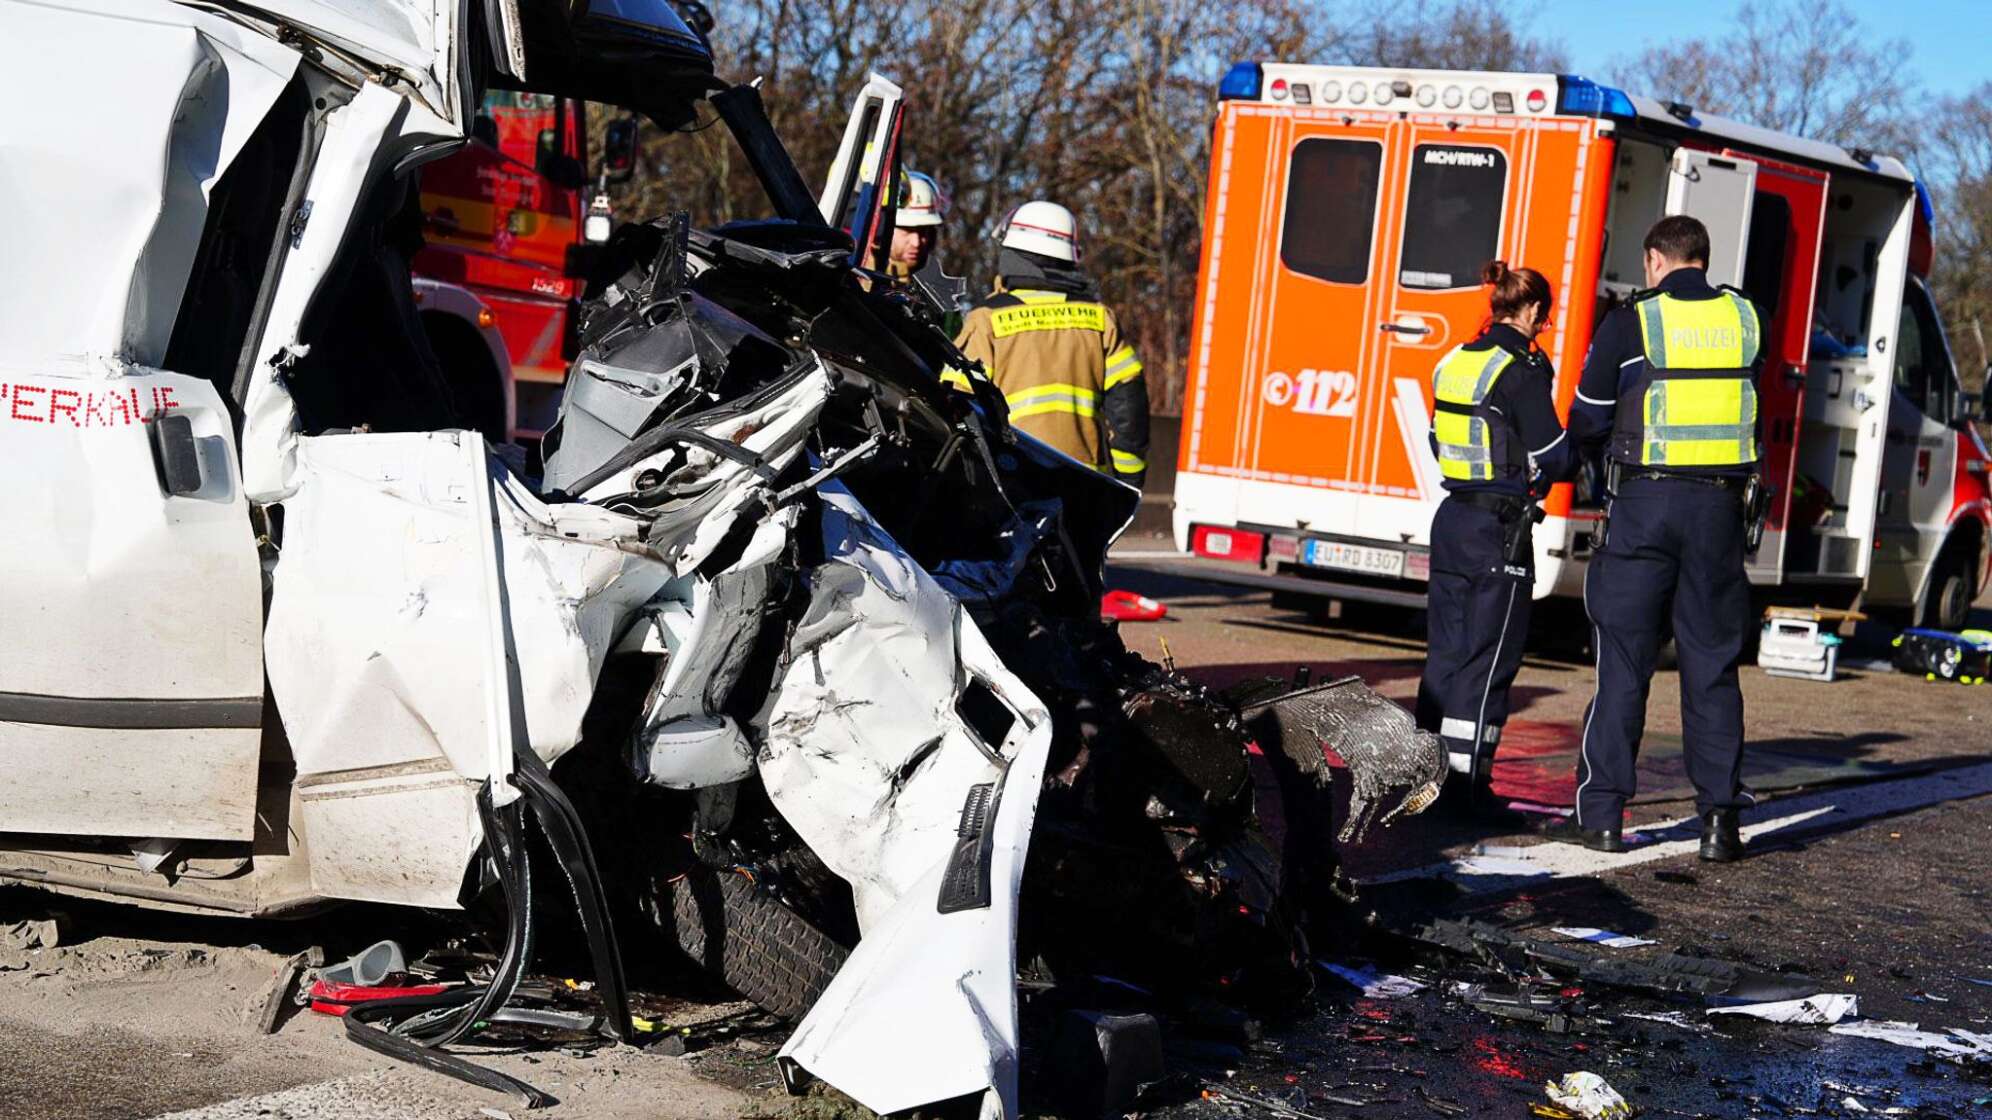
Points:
(1764, 257)
(1331, 209)
(1452, 217)
(1922, 361)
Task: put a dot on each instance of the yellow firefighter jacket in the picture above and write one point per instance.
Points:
(1070, 380)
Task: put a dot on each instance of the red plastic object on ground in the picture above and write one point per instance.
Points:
(1126, 606)
(332, 998)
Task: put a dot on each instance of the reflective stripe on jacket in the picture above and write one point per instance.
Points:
(1473, 441)
(1070, 380)
(1695, 404)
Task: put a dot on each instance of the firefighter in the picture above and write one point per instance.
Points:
(1499, 445)
(1055, 351)
(916, 226)
(1669, 391)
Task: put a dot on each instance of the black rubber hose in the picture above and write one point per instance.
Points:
(504, 835)
(361, 1029)
(568, 838)
(504, 831)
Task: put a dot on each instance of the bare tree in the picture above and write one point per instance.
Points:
(1957, 161)
(1462, 35)
(1103, 105)
(1808, 67)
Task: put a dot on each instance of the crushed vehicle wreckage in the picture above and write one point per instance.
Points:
(791, 656)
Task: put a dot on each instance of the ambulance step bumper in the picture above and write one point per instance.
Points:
(1185, 566)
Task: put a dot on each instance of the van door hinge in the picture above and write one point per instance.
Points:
(300, 218)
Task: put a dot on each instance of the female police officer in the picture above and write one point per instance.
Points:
(1499, 445)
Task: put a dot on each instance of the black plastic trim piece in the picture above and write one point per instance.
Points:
(965, 884)
(130, 714)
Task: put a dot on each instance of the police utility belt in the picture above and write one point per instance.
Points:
(1752, 495)
(1518, 517)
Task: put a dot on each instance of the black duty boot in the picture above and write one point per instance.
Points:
(1568, 831)
(1721, 841)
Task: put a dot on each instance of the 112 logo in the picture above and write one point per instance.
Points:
(1314, 392)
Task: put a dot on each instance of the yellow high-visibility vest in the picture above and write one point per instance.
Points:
(1473, 440)
(1696, 403)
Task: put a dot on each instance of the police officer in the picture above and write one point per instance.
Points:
(1055, 351)
(1499, 444)
(1670, 390)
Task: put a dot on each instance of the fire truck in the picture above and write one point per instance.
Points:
(1349, 212)
(502, 221)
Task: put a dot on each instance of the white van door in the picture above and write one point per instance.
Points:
(131, 608)
(856, 190)
(1721, 191)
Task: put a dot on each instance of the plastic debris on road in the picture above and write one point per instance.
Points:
(1955, 1044)
(1817, 1010)
(1374, 984)
(1126, 606)
(1589, 1096)
(1671, 1018)
(1603, 937)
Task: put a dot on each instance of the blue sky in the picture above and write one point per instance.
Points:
(1951, 40)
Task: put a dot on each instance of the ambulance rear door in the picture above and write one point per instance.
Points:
(1720, 189)
(1780, 260)
(1292, 313)
(1472, 190)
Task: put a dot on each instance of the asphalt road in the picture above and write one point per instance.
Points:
(1868, 874)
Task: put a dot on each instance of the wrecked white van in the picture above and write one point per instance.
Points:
(788, 659)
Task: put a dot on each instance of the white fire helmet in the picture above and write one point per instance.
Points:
(922, 203)
(1044, 228)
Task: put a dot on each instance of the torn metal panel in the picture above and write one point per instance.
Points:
(683, 740)
(693, 496)
(1376, 737)
(867, 756)
(359, 136)
(377, 618)
(107, 194)
(419, 40)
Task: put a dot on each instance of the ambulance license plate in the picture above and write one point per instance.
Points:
(1353, 558)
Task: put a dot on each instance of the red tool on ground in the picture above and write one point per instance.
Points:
(1126, 606)
(329, 997)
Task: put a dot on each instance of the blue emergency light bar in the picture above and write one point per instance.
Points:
(1241, 83)
(1583, 97)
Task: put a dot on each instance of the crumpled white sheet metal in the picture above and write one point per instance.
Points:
(1813, 1010)
(1956, 1044)
(377, 622)
(682, 740)
(866, 757)
(687, 531)
(418, 38)
(126, 112)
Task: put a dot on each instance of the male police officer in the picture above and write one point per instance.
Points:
(1055, 351)
(1670, 389)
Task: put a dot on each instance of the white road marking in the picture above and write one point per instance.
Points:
(1770, 820)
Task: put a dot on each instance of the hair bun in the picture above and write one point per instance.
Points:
(1493, 272)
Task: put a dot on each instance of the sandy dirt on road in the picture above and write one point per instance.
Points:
(113, 1024)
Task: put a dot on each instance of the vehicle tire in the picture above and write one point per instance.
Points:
(752, 943)
(1952, 587)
